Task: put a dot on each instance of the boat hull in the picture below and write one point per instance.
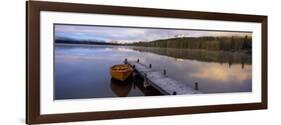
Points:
(123, 74)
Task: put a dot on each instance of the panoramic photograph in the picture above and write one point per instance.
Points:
(92, 61)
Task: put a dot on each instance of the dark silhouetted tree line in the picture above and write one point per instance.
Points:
(234, 43)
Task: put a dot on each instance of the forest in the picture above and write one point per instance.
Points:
(232, 43)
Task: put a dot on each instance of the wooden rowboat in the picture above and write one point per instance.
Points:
(121, 72)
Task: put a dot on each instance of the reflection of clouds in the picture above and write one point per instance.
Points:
(93, 54)
(70, 58)
(122, 49)
(64, 58)
(223, 73)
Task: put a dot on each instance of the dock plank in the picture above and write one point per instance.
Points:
(161, 82)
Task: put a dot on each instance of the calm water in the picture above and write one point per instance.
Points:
(82, 71)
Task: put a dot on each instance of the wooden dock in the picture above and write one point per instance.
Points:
(160, 81)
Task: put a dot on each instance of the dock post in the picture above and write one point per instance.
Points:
(165, 72)
(145, 81)
(134, 73)
(125, 61)
(150, 66)
(138, 60)
(196, 86)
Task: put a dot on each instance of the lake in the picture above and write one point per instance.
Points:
(82, 71)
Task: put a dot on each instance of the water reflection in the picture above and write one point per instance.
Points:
(82, 71)
(201, 55)
(222, 73)
(121, 89)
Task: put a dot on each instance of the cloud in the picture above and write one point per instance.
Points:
(128, 34)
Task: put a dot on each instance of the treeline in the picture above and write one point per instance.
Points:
(234, 43)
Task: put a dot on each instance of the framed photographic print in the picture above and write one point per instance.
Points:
(93, 62)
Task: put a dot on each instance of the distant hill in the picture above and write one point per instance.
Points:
(72, 41)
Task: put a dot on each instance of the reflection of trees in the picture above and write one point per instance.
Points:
(201, 55)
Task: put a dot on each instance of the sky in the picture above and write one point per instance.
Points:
(129, 34)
